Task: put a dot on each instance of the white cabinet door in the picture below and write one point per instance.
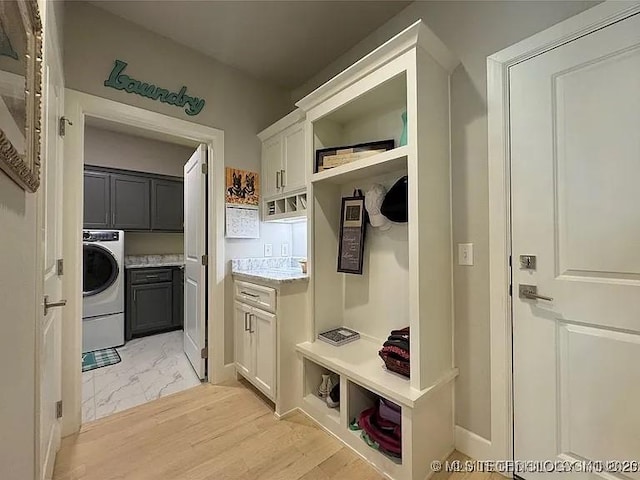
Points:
(263, 328)
(243, 350)
(271, 166)
(294, 163)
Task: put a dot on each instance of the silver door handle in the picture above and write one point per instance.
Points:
(251, 315)
(48, 305)
(278, 180)
(246, 329)
(282, 184)
(531, 292)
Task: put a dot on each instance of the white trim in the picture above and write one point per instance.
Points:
(472, 445)
(77, 106)
(498, 66)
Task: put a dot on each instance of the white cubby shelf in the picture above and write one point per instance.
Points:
(406, 278)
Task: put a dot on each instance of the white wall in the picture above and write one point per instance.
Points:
(472, 30)
(299, 239)
(236, 103)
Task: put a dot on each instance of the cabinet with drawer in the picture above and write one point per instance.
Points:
(256, 295)
(154, 301)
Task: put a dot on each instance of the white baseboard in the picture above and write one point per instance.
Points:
(472, 445)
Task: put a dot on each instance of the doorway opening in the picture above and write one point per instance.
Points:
(163, 229)
(135, 348)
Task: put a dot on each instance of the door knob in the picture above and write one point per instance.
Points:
(530, 292)
(48, 305)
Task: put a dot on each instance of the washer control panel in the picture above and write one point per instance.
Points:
(100, 236)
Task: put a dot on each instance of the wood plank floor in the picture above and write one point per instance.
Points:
(206, 433)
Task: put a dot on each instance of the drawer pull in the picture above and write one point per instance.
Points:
(250, 294)
(153, 276)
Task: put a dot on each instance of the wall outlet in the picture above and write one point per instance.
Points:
(465, 254)
(284, 250)
(268, 250)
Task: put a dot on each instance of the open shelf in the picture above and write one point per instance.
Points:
(311, 400)
(359, 362)
(318, 404)
(380, 164)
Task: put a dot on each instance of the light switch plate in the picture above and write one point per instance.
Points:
(284, 250)
(268, 250)
(465, 254)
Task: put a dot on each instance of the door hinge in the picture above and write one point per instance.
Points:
(510, 262)
(59, 409)
(60, 267)
(205, 260)
(510, 290)
(205, 168)
(62, 126)
(204, 353)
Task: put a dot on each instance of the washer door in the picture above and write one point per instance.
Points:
(100, 269)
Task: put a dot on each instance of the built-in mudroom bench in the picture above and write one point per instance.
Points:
(397, 96)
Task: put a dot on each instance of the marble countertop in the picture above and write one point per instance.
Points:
(150, 261)
(273, 270)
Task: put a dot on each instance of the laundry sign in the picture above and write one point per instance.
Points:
(118, 80)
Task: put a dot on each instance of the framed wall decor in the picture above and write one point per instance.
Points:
(353, 225)
(20, 92)
(242, 187)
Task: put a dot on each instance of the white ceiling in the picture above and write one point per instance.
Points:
(281, 42)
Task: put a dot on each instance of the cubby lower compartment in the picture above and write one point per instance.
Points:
(313, 378)
(385, 415)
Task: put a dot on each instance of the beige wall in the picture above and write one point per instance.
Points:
(106, 148)
(472, 30)
(235, 102)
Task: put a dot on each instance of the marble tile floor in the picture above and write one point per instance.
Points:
(151, 367)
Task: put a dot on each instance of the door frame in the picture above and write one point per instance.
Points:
(78, 105)
(498, 65)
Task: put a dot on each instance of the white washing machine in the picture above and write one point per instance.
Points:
(102, 289)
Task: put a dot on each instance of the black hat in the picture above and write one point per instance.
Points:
(396, 204)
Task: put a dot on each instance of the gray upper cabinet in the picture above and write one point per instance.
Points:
(127, 200)
(167, 200)
(130, 202)
(97, 207)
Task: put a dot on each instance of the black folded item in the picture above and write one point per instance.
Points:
(398, 337)
(402, 344)
(403, 331)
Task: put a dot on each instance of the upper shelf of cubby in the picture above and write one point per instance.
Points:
(379, 164)
(417, 34)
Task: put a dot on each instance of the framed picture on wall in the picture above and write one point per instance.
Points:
(352, 230)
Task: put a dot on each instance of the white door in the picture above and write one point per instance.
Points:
(50, 219)
(242, 334)
(294, 164)
(195, 244)
(262, 326)
(575, 140)
(271, 166)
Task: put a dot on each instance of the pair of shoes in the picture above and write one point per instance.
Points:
(333, 400)
(328, 382)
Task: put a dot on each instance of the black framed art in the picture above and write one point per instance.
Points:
(353, 225)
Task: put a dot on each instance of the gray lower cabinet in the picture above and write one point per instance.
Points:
(97, 194)
(130, 202)
(154, 301)
(167, 199)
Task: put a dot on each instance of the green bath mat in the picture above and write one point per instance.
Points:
(99, 359)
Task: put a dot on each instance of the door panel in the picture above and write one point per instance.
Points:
(167, 205)
(272, 164)
(574, 114)
(97, 203)
(263, 332)
(294, 163)
(152, 307)
(130, 205)
(50, 215)
(195, 293)
(243, 347)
